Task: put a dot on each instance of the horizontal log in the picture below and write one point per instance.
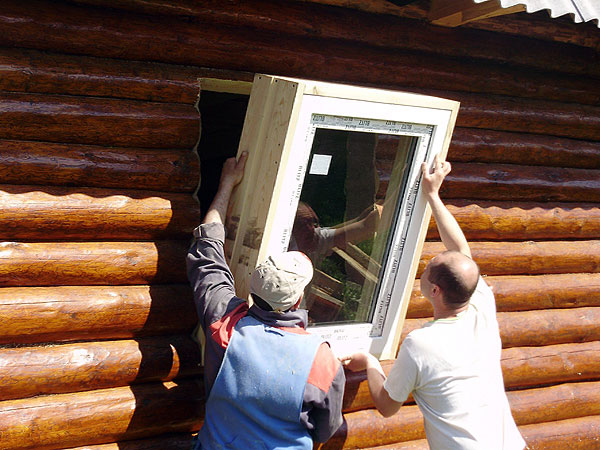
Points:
(34, 213)
(56, 369)
(69, 313)
(526, 257)
(378, 29)
(564, 401)
(533, 258)
(23, 70)
(492, 220)
(543, 327)
(489, 146)
(521, 367)
(581, 433)
(524, 293)
(527, 183)
(172, 441)
(546, 327)
(102, 416)
(551, 364)
(71, 30)
(92, 263)
(98, 121)
(367, 428)
(22, 162)
(534, 116)
(419, 444)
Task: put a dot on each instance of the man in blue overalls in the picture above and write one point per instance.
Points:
(269, 384)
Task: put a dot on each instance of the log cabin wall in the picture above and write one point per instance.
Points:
(97, 174)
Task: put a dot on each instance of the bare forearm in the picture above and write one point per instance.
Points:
(450, 233)
(376, 379)
(218, 208)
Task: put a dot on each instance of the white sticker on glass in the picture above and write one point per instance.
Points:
(320, 165)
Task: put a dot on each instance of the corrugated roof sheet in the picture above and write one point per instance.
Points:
(580, 10)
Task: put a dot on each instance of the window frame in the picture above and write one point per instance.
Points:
(276, 131)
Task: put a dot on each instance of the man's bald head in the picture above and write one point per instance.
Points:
(455, 274)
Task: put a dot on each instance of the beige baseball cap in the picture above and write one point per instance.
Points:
(281, 279)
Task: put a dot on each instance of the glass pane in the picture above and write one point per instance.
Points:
(348, 205)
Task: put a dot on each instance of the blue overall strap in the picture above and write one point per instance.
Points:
(257, 397)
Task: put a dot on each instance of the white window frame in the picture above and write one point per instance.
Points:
(278, 134)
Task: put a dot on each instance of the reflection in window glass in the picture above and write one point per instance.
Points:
(348, 205)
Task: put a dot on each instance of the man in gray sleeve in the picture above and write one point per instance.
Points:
(269, 383)
(452, 364)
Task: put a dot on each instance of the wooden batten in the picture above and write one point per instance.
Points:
(98, 121)
(520, 258)
(453, 13)
(55, 369)
(51, 164)
(101, 416)
(270, 111)
(507, 220)
(73, 313)
(24, 70)
(500, 147)
(36, 213)
(92, 263)
(528, 292)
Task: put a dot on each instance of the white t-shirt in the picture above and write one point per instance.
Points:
(452, 367)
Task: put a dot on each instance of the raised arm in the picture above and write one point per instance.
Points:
(231, 175)
(450, 232)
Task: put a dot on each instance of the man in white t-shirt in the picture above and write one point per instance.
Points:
(452, 364)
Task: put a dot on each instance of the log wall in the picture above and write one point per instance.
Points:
(97, 170)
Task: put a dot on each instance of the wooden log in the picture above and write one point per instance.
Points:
(532, 258)
(56, 369)
(69, 313)
(564, 401)
(103, 36)
(367, 428)
(99, 121)
(543, 327)
(377, 29)
(22, 162)
(551, 364)
(521, 367)
(92, 263)
(172, 441)
(34, 213)
(547, 327)
(492, 220)
(581, 433)
(23, 70)
(101, 416)
(419, 444)
(489, 146)
(527, 183)
(523, 293)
